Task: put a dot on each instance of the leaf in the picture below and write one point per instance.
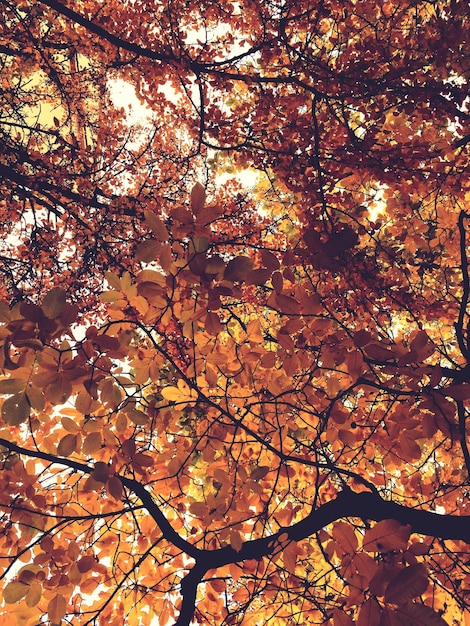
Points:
(70, 425)
(92, 443)
(54, 302)
(59, 391)
(68, 445)
(139, 418)
(35, 398)
(289, 556)
(238, 269)
(259, 472)
(147, 251)
(14, 591)
(385, 536)
(113, 280)
(56, 608)
(414, 614)
(15, 409)
(409, 583)
(270, 260)
(114, 487)
(369, 613)
(213, 324)
(156, 225)
(198, 198)
(34, 594)
(236, 541)
(457, 392)
(12, 385)
(341, 619)
(181, 393)
(86, 563)
(343, 533)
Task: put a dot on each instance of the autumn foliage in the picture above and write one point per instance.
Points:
(234, 317)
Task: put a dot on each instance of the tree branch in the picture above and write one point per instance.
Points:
(133, 485)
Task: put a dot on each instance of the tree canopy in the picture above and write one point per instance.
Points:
(235, 331)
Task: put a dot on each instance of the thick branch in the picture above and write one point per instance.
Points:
(367, 506)
(463, 341)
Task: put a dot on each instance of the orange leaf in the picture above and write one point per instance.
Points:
(236, 540)
(156, 225)
(92, 442)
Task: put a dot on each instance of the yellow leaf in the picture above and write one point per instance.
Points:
(181, 393)
(14, 591)
(34, 594)
(113, 280)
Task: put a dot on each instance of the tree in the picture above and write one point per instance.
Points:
(221, 405)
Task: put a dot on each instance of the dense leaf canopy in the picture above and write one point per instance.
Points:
(234, 325)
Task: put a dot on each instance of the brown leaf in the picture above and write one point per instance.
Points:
(385, 536)
(56, 609)
(68, 445)
(198, 198)
(409, 583)
(238, 268)
(54, 302)
(156, 225)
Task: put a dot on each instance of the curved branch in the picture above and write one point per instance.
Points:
(459, 331)
(366, 506)
(133, 485)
